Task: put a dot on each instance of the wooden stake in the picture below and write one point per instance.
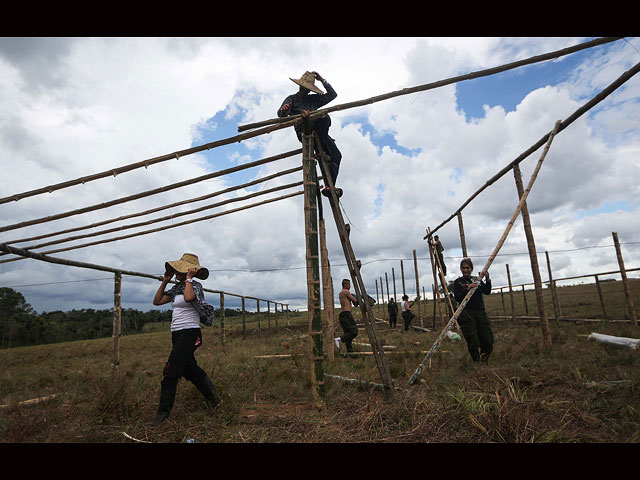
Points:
(552, 287)
(404, 291)
(625, 282)
(222, 335)
(533, 259)
(601, 297)
(513, 303)
(117, 318)
(463, 242)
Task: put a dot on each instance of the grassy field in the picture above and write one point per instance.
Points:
(573, 391)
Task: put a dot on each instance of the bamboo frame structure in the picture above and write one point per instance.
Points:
(471, 291)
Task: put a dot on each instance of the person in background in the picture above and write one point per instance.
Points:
(473, 320)
(392, 308)
(189, 310)
(407, 314)
(302, 103)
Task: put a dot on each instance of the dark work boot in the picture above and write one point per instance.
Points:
(208, 390)
(167, 398)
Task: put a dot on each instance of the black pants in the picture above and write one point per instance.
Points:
(182, 362)
(328, 144)
(348, 325)
(393, 320)
(476, 330)
(407, 317)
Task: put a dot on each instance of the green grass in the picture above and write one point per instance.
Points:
(572, 391)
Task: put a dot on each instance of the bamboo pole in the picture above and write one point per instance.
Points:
(415, 267)
(524, 299)
(314, 313)
(513, 303)
(244, 325)
(117, 318)
(463, 242)
(386, 279)
(269, 315)
(393, 275)
(601, 297)
(327, 295)
(552, 287)
(384, 310)
(564, 124)
(504, 308)
(533, 260)
(404, 290)
(440, 83)
(464, 302)
(222, 316)
(625, 282)
(377, 297)
(258, 312)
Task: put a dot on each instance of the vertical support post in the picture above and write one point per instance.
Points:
(327, 292)
(524, 299)
(258, 312)
(433, 290)
(463, 243)
(314, 312)
(384, 310)
(601, 297)
(275, 312)
(386, 279)
(244, 324)
(222, 335)
(625, 282)
(117, 318)
(513, 303)
(552, 286)
(415, 267)
(504, 308)
(377, 297)
(393, 274)
(404, 290)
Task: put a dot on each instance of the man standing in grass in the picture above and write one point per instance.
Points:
(473, 320)
(346, 317)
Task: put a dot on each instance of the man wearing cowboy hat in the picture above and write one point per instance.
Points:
(303, 102)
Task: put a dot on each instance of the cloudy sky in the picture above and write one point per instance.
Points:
(71, 107)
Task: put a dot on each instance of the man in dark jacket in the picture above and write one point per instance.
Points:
(302, 103)
(473, 320)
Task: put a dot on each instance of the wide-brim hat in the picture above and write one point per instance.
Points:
(188, 260)
(307, 80)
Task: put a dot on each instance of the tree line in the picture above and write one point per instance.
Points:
(21, 325)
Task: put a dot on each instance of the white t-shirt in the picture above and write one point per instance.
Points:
(183, 315)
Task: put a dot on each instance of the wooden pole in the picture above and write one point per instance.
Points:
(117, 319)
(513, 303)
(222, 334)
(471, 291)
(463, 242)
(386, 279)
(601, 297)
(533, 259)
(275, 313)
(377, 297)
(524, 299)
(415, 267)
(552, 287)
(244, 325)
(268, 314)
(314, 311)
(404, 290)
(384, 310)
(393, 274)
(440, 83)
(327, 295)
(436, 291)
(258, 311)
(504, 308)
(625, 282)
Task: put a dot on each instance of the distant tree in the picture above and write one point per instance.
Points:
(14, 314)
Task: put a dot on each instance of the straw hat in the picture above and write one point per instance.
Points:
(307, 80)
(188, 260)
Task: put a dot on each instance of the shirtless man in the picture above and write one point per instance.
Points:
(346, 317)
